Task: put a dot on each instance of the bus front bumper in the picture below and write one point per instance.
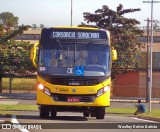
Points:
(73, 100)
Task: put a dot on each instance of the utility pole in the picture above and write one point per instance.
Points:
(147, 68)
(71, 12)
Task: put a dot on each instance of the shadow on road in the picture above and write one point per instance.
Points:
(66, 118)
(70, 118)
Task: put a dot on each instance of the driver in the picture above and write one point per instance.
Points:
(94, 59)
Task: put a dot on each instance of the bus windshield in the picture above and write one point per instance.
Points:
(74, 59)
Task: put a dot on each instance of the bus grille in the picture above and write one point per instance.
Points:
(75, 82)
(82, 98)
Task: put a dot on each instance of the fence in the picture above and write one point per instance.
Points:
(133, 84)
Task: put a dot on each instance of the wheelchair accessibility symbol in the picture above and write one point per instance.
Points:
(79, 70)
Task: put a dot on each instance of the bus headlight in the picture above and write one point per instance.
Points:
(41, 86)
(44, 89)
(103, 90)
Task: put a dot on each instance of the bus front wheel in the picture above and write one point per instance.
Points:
(86, 114)
(100, 112)
(53, 112)
(44, 111)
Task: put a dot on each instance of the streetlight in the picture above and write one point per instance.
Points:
(150, 88)
(147, 57)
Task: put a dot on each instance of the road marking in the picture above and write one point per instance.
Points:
(143, 120)
(14, 121)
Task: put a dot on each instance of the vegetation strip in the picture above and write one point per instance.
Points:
(4, 107)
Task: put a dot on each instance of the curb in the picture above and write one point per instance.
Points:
(30, 96)
(149, 118)
(132, 101)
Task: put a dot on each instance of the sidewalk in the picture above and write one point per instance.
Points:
(27, 96)
(133, 99)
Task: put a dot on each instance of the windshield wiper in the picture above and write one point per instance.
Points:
(59, 42)
(91, 43)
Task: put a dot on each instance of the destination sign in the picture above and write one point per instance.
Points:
(73, 34)
(79, 35)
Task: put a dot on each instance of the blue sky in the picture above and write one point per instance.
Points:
(57, 12)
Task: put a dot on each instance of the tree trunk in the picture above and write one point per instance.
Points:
(0, 84)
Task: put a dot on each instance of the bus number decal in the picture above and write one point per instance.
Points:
(69, 70)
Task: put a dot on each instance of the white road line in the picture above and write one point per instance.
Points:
(14, 121)
(143, 120)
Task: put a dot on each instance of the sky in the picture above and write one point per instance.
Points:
(58, 12)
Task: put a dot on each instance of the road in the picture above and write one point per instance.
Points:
(69, 120)
(73, 121)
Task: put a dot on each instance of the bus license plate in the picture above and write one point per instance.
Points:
(72, 99)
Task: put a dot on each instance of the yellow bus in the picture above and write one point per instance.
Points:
(74, 70)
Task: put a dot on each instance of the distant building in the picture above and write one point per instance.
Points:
(30, 35)
(133, 83)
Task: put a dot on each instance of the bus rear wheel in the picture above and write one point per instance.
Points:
(100, 112)
(44, 111)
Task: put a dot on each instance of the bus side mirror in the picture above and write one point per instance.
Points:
(33, 55)
(114, 54)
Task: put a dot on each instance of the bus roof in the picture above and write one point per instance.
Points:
(75, 27)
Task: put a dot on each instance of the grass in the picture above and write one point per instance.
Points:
(155, 112)
(9, 107)
(120, 110)
(19, 84)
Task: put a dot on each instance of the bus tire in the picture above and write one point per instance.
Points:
(53, 112)
(44, 111)
(93, 114)
(100, 112)
(86, 113)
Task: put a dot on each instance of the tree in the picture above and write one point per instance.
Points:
(14, 56)
(7, 19)
(123, 34)
(41, 26)
(34, 26)
(156, 27)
